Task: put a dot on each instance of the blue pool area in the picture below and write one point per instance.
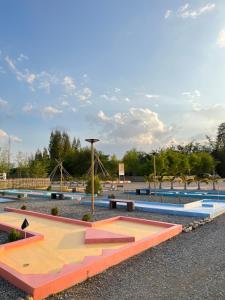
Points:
(43, 194)
(219, 195)
(201, 209)
(4, 200)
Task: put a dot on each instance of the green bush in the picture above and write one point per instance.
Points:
(49, 188)
(19, 196)
(3, 193)
(55, 211)
(97, 186)
(112, 196)
(87, 217)
(14, 235)
(23, 207)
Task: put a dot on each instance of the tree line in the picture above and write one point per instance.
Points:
(192, 159)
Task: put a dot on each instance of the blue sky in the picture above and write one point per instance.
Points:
(133, 73)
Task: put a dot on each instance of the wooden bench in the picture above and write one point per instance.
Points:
(130, 203)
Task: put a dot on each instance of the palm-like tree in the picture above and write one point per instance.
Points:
(172, 179)
(149, 179)
(160, 180)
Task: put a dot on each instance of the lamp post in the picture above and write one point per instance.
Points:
(92, 141)
(154, 166)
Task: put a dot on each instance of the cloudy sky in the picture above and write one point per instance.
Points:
(133, 73)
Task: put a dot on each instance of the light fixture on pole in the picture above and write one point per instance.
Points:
(154, 166)
(92, 141)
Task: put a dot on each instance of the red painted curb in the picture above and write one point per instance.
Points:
(42, 285)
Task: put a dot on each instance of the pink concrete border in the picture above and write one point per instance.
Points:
(42, 285)
(49, 217)
(31, 237)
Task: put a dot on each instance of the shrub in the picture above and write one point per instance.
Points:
(14, 235)
(49, 188)
(97, 186)
(19, 196)
(87, 217)
(112, 196)
(3, 193)
(23, 207)
(55, 211)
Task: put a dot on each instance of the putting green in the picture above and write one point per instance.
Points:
(63, 243)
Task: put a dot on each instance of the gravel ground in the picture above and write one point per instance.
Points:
(190, 266)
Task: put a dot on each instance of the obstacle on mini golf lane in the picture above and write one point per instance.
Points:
(60, 252)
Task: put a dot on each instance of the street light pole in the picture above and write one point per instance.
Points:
(92, 141)
(154, 166)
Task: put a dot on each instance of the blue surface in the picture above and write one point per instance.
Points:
(43, 194)
(202, 209)
(4, 200)
(188, 194)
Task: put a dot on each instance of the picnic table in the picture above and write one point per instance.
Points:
(130, 203)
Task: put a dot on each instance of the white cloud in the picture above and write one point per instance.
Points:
(186, 12)
(28, 108)
(150, 96)
(13, 138)
(43, 80)
(84, 94)
(102, 116)
(116, 90)
(3, 102)
(127, 99)
(138, 126)
(22, 57)
(50, 111)
(30, 78)
(221, 39)
(65, 103)
(203, 121)
(21, 76)
(69, 84)
(193, 98)
(3, 133)
(73, 109)
(168, 13)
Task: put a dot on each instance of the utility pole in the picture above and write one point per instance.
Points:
(92, 141)
(61, 176)
(154, 165)
(9, 152)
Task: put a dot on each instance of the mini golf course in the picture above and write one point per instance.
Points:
(60, 252)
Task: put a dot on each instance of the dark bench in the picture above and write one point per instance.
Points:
(142, 191)
(58, 196)
(130, 203)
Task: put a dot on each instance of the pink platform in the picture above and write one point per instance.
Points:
(43, 285)
(95, 236)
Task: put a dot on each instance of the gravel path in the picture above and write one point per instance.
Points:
(190, 266)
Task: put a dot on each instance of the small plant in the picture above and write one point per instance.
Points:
(112, 196)
(14, 235)
(55, 211)
(49, 188)
(23, 207)
(87, 218)
(3, 193)
(97, 186)
(19, 196)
